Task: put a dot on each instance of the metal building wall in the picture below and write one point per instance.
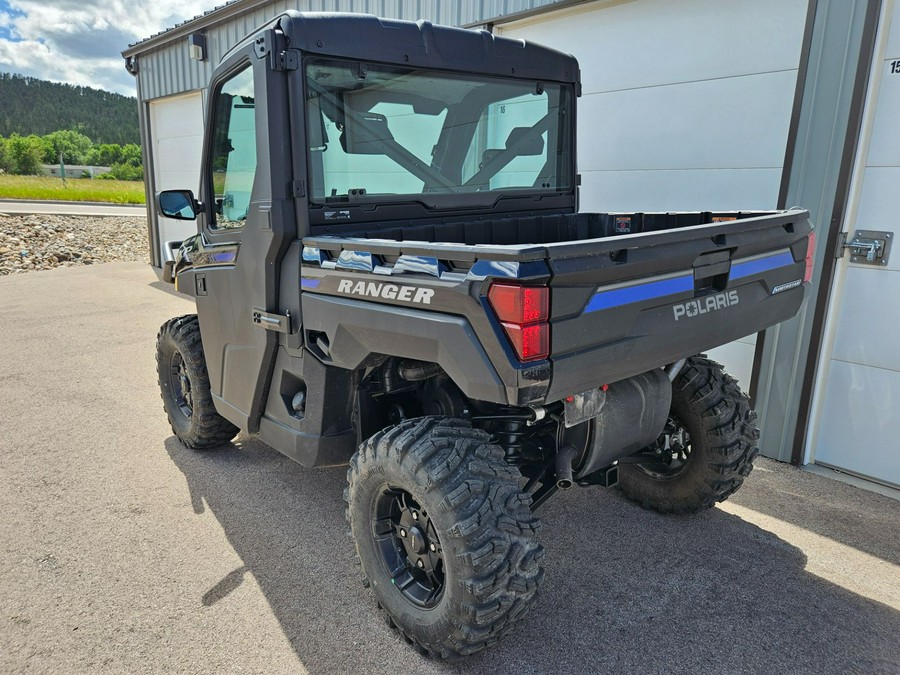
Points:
(167, 69)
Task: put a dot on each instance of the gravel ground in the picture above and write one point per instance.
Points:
(41, 242)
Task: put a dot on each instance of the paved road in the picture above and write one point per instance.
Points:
(9, 206)
(121, 551)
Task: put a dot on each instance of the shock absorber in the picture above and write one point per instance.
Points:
(511, 437)
(522, 434)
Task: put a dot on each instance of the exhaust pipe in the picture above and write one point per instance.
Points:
(564, 459)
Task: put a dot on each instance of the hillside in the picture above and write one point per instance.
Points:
(32, 106)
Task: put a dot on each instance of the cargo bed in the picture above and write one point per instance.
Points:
(621, 303)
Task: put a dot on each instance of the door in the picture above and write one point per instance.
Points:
(246, 221)
(858, 399)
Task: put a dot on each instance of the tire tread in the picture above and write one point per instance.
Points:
(729, 433)
(491, 517)
(207, 428)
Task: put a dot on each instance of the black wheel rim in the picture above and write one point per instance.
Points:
(180, 385)
(412, 553)
(671, 454)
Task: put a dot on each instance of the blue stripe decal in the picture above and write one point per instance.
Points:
(751, 267)
(309, 283)
(659, 289)
(640, 292)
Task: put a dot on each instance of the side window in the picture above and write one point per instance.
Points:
(233, 161)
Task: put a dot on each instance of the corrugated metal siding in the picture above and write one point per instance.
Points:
(169, 70)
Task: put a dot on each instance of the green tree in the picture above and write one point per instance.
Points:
(131, 155)
(32, 106)
(25, 154)
(5, 163)
(73, 145)
(106, 154)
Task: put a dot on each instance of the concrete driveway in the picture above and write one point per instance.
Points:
(121, 551)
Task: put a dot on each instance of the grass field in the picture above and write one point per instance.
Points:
(74, 189)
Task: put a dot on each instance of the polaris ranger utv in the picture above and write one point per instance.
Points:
(391, 271)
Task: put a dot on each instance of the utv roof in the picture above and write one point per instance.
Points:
(419, 43)
(424, 45)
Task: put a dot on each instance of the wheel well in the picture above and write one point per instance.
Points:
(398, 389)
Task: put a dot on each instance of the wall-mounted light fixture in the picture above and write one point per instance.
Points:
(197, 46)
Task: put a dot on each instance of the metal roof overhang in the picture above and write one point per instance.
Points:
(238, 7)
(212, 17)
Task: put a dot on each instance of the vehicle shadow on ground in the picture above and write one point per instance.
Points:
(625, 589)
(857, 518)
(169, 288)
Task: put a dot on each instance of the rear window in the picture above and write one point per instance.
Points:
(381, 130)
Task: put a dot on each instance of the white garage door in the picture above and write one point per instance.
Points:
(859, 392)
(176, 126)
(685, 106)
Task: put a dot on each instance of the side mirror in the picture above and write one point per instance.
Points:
(365, 135)
(525, 141)
(178, 204)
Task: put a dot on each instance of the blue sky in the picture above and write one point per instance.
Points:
(80, 41)
(7, 14)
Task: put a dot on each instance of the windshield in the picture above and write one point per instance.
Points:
(384, 130)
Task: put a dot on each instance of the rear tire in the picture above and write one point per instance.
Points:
(444, 535)
(712, 431)
(184, 386)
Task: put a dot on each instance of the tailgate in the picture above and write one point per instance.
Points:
(624, 305)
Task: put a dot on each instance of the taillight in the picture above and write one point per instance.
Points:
(810, 257)
(524, 312)
(531, 343)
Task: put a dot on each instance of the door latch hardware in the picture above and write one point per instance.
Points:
(277, 322)
(868, 247)
(288, 59)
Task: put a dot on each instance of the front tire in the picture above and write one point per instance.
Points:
(706, 449)
(445, 537)
(184, 386)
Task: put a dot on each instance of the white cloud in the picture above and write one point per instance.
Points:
(79, 41)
